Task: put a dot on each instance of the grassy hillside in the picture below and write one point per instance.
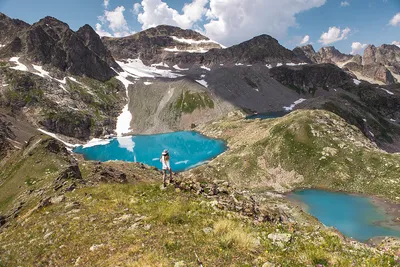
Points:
(75, 212)
(303, 149)
(140, 225)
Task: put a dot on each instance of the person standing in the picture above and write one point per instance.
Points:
(166, 166)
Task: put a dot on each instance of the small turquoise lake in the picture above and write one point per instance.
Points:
(187, 149)
(354, 216)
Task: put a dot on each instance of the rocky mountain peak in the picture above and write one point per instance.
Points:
(53, 45)
(306, 54)
(330, 54)
(169, 31)
(9, 29)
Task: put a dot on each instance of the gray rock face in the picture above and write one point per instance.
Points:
(307, 54)
(53, 44)
(150, 45)
(330, 54)
(385, 55)
(10, 28)
(311, 77)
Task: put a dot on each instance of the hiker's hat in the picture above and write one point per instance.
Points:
(165, 152)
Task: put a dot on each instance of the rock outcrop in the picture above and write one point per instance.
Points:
(307, 54)
(51, 43)
(153, 44)
(311, 77)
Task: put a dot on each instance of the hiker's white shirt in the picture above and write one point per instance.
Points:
(165, 163)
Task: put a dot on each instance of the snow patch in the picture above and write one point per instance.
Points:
(392, 120)
(1, 45)
(161, 64)
(295, 64)
(239, 64)
(221, 64)
(175, 49)
(279, 64)
(269, 66)
(294, 104)
(387, 91)
(19, 66)
(124, 119)
(203, 82)
(74, 80)
(371, 134)
(147, 83)
(137, 69)
(96, 142)
(365, 120)
(356, 82)
(177, 68)
(191, 41)
(64, 89)
(205, 68)
(42, 72)
(57, 138)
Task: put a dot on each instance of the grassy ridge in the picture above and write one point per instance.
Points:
(140, 225)
(303, 149)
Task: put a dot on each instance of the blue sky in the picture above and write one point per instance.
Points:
(231, 21)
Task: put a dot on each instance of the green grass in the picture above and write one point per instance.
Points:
(304, 149)
(161, 228)
(189, 102)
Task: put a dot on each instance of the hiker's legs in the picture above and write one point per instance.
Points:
(170, 175)
(164, 177)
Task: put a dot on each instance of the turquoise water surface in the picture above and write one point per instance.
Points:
(354, 216)
(187, 149)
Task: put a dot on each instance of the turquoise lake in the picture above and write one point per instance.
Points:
(354, 216)
(187, 149)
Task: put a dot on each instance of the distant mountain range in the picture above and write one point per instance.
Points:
(176, 79)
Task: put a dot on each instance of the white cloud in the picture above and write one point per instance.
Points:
(305, 40)
(229, 21)
(115, 21)
(357, 47)
(334, 34)
(106, 3)
(157, 12)
(136, 8)
(344, 4)
(101, 32)
(395, 21)
(396, 43)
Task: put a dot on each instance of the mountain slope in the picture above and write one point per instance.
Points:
(51, 43)
(153, 44)
(302, 149)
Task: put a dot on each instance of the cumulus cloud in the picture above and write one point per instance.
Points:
(106, 3)
(115, 21)
(396, 43)
(101, 32)
(344, 4)
(228, 21)
(357, 48)
(136, 8)
(334, 34)
(305, 40)
(395, 21)
(157, 12)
